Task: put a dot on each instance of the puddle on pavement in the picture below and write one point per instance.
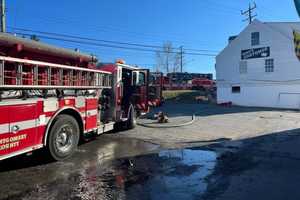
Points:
(176, 174)
(171, 174)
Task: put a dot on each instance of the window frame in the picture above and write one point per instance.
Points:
(141, 79)
(236, 89)
(255, 38)
(269, 65)
(243, 67)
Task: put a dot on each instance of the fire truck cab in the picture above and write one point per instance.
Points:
(130, 91)
(51, 97)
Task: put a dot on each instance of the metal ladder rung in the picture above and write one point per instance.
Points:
(1, 72)
(49, 77)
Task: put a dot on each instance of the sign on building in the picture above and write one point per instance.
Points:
(256, 53)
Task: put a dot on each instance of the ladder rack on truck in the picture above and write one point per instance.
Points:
(18, 73)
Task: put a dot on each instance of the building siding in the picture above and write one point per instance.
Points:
(280, 88)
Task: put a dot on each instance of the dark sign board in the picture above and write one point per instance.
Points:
(256, 53)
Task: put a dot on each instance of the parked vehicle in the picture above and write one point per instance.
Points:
(52, 97)
(202, 84)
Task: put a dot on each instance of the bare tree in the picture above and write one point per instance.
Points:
(159, 62)
(169, 59)
(165, 58)
(177, 62)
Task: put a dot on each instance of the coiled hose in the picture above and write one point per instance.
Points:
(156, 125)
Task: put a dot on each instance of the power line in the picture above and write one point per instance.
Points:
(107, 45)
(249, 13)
(105, 41)
(103, 29)
(83, 38)
(202, 50)
(101, 52)
(65, 21)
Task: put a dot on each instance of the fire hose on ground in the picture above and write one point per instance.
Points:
(156, 125)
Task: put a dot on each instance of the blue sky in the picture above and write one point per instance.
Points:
(197, 24)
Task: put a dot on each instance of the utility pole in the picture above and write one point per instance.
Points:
(3, 16)
(249, 13)
(181, 59)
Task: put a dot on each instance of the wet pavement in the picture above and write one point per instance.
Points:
(172, 174)
(113, 168)
(258, 157)
(110, 169)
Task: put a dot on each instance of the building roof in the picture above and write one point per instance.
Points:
(283, 28)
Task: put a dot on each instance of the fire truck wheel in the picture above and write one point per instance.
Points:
(131, 122)
(63, 137)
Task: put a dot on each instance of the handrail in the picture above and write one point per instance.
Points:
(15, 74)
(46, 64)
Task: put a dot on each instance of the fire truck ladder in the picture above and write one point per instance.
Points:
(22, 74)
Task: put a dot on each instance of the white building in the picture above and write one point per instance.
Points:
(260, 67)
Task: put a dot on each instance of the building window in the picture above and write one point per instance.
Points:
(269, 65)
(243, 67)
(255, 38)
(236, 89)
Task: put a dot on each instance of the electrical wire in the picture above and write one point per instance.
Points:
(105, 41)
(112, 28)
(108, 45)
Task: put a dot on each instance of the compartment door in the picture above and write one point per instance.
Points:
(142, 87)
(18, 128)
(91, 118)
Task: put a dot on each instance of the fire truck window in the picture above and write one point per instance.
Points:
(126, 77)
(142, 79)
(134, 78)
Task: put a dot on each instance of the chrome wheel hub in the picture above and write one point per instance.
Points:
(64, 139)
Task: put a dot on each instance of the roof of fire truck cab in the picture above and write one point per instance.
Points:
(129, 67)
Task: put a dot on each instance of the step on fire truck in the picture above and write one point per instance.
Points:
(52, 97)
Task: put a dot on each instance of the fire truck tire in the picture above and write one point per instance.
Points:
(131, 122)
(63, 137)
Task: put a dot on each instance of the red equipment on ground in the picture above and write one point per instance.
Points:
(51, 97)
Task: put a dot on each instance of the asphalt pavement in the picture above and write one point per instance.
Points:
(228, 153)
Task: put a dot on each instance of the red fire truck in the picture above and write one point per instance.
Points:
(202, 84)
(52, 97)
